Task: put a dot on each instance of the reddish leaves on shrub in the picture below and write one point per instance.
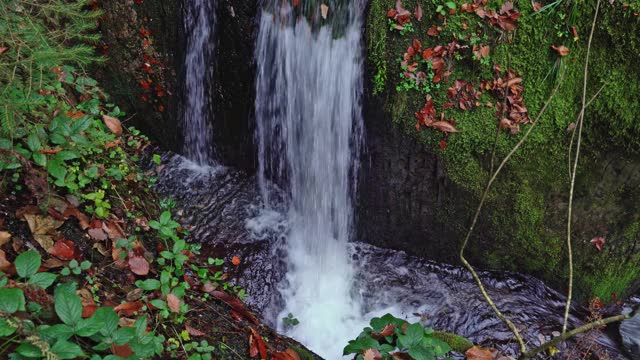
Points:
(598, 242)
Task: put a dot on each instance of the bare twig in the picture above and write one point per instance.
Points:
(575, 167)
(464, 261)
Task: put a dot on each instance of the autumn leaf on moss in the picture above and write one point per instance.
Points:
(173, 302)
(113, 124)
(561, 50)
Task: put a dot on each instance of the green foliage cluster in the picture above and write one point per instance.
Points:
(51, 111)
(388, 335)
(63, 335)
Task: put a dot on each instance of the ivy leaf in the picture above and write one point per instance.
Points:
(412, 336)
(28, 263)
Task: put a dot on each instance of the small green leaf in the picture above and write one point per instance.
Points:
(160, 304)
(28, 263)
(66, 350)
(44, 280)
(11, 300)
(58, 331)
(29, 350)
(33, 142)
(5, 328)
(450, 4)
(68, 306)
(148, 285)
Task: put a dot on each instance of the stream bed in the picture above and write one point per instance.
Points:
(222, 208)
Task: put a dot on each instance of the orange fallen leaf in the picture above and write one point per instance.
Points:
(372, 354)
(235, 261)
(4, 263)
(478, 353)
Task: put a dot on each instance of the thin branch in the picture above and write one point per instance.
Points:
(575, 167)
(579, 330)
(464, 261)
(573, 133)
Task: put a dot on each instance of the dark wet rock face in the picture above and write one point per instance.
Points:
(221, 206)
(143, 43)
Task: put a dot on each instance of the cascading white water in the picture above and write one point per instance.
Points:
(199, 29)
(309, 130)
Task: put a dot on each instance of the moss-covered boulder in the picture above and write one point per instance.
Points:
(430, 182)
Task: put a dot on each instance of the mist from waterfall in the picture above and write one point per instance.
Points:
(309, 132)
(197, 116)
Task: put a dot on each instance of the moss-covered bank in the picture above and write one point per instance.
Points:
(523, 227)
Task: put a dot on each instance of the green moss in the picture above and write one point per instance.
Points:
(526, 212)
(457, 343)
(377, 44)
(304, 353)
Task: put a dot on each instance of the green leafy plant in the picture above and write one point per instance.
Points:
(75, 267)
(290, 321)
(389, 335)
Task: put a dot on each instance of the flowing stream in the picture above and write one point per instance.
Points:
(199, 23)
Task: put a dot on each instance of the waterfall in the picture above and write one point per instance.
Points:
(197, 115)
(309, 131)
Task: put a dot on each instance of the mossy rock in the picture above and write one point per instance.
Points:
(524, 223)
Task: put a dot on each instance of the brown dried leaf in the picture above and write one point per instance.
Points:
(5, 236)
(128, 308)
(173, 302)
(372, 354)
(123, 351)
(4, 263)
(113, 124)
(193, 331)
(42, 228)
(97, 234)
(63, 249)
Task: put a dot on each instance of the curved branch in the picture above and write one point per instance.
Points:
(575, 168)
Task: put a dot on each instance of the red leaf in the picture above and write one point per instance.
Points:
(433, 31)
(128, 308)
(235, 261)
(3, 49)
(121, 350)
(561, 50)
(258, 343)
(443, 144)
(139, 265)
(372, 354)
(63, 249)
(598, 242)
(173, 302)
(235, 304)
